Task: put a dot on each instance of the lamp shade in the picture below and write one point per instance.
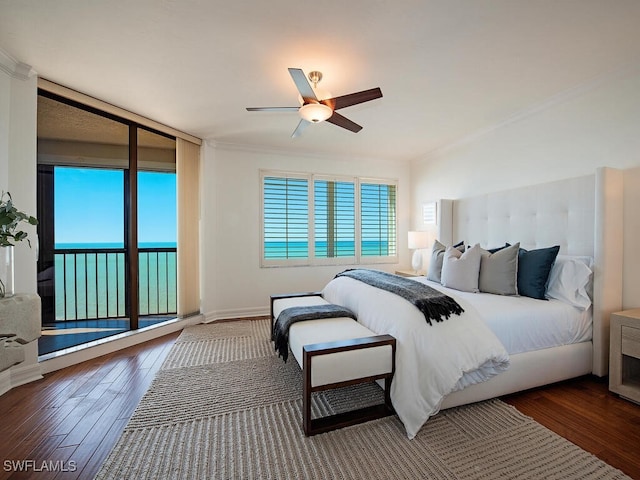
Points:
(418, 240)
(315, 112)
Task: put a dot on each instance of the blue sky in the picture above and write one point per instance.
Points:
(89, 206)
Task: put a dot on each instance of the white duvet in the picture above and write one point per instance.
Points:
(431, 360)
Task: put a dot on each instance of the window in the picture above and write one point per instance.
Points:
(107, 230)
(378, 224)
(318, 219)
(334, 219)
(285, 217)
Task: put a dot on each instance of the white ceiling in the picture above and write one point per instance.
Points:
(447, 68)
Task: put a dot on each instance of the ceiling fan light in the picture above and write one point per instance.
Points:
(315, 112)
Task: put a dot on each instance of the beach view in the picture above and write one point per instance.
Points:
(89, 255)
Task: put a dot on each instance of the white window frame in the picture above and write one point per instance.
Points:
(311, 259)
(279, 262)
(372, 260)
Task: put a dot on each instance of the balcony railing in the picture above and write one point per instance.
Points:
(90, 283)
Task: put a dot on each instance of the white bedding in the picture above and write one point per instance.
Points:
(524, 324)
(431, 361)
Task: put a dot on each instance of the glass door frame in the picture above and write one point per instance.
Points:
(46, 226)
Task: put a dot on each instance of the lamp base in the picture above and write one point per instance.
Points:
(416, 260)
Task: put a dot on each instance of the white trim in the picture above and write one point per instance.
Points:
(288, 262)
(311, 259)
(5, 381)
(14, 68)
(269, 150)
(236, 313)
(72, 356)
(23, 372)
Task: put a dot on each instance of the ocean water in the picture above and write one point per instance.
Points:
(78, 246)
(92, 285)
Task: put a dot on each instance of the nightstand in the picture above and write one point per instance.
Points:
(624, 355)
(409, 273)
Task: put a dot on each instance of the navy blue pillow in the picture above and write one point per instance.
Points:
(534, 267)
(497, 249)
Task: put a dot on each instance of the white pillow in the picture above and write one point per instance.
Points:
(461, 270)
(570, 281)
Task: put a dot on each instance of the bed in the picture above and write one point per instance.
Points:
(584, 217)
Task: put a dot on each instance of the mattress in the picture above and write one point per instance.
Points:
(431, 360)
(523, 324)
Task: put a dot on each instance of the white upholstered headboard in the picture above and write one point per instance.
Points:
(583, 215)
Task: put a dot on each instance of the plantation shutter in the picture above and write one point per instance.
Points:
(285, 218)
(334, 219)
(378, 235)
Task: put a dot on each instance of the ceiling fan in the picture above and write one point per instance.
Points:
(314, 109)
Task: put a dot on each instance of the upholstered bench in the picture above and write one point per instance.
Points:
(334, 353)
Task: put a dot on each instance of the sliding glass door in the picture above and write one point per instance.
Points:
(89, 251)
(157, 225)
(107, 210)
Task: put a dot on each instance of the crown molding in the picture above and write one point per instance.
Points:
(14, 68)
(558, 99)
(267, 150)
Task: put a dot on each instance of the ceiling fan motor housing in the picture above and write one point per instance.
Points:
(315, 112)
(318, 108)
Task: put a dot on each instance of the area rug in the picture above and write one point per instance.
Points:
(224, 406)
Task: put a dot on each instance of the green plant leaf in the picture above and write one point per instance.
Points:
(10, 219)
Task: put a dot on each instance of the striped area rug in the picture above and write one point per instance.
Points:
(224, 406)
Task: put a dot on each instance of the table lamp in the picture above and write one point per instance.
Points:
(417, 241)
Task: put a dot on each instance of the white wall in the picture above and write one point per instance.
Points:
(593, 125)
(18, 125)
(233, 283)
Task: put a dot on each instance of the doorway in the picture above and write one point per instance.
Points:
(107, 233)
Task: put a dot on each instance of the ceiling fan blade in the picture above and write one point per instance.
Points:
(302, 84)
(344, 122)
(301, 126)
(273, 109)
(353, 98)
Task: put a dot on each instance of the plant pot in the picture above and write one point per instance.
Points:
(6, 272)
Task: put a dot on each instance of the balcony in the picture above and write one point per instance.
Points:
(89, 294)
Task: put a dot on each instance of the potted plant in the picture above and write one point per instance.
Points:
(10, 222)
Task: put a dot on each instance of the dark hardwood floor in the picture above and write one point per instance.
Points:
(584, 412)
(71, 419)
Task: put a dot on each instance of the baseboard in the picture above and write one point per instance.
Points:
(18, 375)
(5, 381)
(21, 374)
(235, 313)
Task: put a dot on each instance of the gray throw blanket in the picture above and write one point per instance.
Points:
(291, 315)
(433, 304)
